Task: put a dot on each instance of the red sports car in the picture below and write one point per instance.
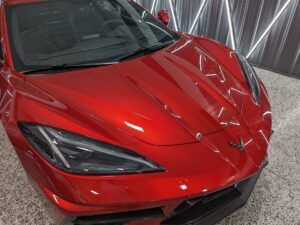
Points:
(119, 120)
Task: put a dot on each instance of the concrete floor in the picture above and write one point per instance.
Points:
(276, 197)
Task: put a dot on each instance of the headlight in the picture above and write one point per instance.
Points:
(78, 154)
(251, 78)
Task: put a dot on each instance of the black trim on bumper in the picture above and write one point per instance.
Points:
(210, 209)
(204, 210)
(119, 218)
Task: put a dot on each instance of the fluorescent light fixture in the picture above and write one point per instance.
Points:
(197, 16)
(269, 27)
(173, 15)
(153, 6)
(231, 31)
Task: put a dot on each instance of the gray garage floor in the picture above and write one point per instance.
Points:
(275, 200)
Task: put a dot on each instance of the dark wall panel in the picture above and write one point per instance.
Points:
(278, 51)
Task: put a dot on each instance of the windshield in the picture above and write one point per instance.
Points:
(80, 31)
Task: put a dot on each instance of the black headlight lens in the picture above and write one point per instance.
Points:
(81, 155)
(251, 78)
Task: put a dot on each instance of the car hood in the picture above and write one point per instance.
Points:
(172, 96)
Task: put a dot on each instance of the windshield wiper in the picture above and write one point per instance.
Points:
(90, 65)
(144, 50)
(65, 67)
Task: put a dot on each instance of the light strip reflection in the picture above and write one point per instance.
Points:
(197, 16)
(229, 17)
(134, 126)
(269, 27)
(173, 15)
(153, 6)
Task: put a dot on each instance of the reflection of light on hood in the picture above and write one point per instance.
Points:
(95, 192)
(134, 126)
(231, 53)
(267, 113)
(224, 123)
(198, 136)
(248, 142)
(234, 89)
(55, 198)
(211, 75)
(264, 136)
(221, 111)
(223, 79)
(182, 46)
(183, 187)
(200, 62)
(216, 150)
(234, 123)
(166, 107)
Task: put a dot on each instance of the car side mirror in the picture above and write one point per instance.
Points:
(163, 16)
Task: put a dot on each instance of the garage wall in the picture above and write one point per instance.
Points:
(278, 50)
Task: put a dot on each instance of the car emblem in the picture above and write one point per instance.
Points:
(241, 146)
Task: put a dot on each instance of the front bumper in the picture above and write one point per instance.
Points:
(204, 210)
(210, 209)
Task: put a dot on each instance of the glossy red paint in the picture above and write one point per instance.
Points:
(163, 16)
(179, 107)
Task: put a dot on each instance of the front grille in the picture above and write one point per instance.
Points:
(208, 210)
(119, 218)
(202, 207)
